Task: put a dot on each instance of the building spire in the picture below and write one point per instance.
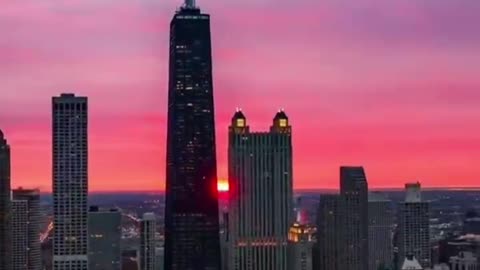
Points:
(190, 4)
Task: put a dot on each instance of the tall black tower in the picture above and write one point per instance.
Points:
(354, 227)
(5, 228)
(191, 216)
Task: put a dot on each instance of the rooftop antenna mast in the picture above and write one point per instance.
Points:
(189, 3)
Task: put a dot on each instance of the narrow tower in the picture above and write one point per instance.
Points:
(70, 182)
(147, 242)
(380, 229)
(5, 244)
(354, 227)
(414, 226)
(191, 216)
(26, 220)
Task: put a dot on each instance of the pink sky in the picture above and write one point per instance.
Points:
(390, 85)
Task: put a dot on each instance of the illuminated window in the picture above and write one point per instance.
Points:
(283, 122)
(240, 122)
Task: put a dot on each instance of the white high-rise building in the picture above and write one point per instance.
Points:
(414, 231)
(147, 242)
(70, 182)
(260, 206)
(380, 229)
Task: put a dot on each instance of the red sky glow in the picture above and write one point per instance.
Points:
(390, 85)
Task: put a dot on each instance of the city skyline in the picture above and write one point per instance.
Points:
(422, 99)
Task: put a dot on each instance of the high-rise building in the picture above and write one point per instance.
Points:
(260, 181)
(410, 263)
(327, 253)
(300, 243)
(70, 182)
(19, 221)
(26, 220)
(147, 242)
(414, 232)
(5, 240)
(380, 231)
(471, 223)
(191, 215)
(464, 261)
(354, 193)
(104, 236)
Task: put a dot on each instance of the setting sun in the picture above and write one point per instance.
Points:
(222, 185)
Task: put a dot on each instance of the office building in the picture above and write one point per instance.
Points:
(147, 242)
(414, 232)
(354, 227)
(327, 253)
(19, 236)
(471, 223)
(380, 231)
(191, 215)
(104, 236)
(26, 220)
(260, 208)
(70, 182)
(464, 261)
(300, 244)
(5, 251)
(411, 263)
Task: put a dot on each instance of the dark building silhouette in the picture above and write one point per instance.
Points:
(26, 220)
(471, 223)
(191, 216)
(326, 252)
(104, 238)
(354, 227)
(380, 228)
(5, 239)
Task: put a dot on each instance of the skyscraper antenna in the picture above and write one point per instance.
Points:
(190, 3)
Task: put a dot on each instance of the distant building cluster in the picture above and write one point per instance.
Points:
(356, 229)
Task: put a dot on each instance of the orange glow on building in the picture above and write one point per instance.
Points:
(222, 185)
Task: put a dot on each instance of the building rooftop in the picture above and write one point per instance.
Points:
(149, 216)
(410, 263)
(377, 196)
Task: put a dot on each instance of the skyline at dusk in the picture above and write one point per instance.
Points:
(391, 86)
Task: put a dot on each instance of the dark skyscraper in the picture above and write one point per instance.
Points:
(327, 253)
(191, 216)
(380, 227)
(104, 237)
(4, 204)
(70, 182)
(354, 193)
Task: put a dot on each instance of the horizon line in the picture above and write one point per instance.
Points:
(444, 188)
